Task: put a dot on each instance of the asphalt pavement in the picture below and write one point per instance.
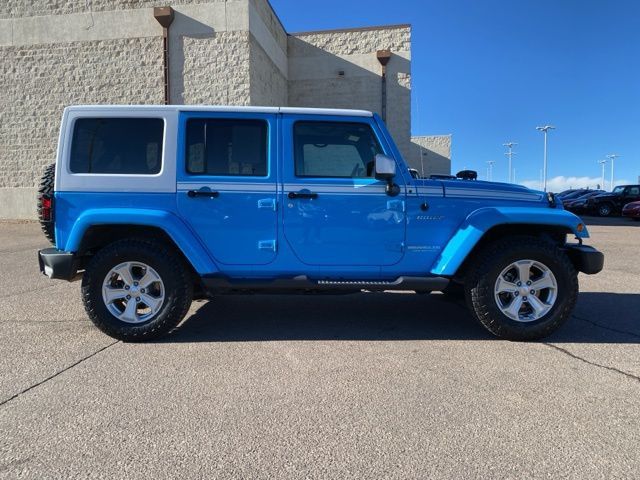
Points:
(371, 385)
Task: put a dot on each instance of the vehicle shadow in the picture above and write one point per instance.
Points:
(599, 318)
(610, 221)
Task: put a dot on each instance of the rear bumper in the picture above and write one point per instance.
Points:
(58, 265)
(586, 259)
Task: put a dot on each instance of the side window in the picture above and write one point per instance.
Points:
(225, 147)
(334, 149)
(634, 191)
(117, 145)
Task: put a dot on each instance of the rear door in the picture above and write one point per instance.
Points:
(335, 212)
(227, 184)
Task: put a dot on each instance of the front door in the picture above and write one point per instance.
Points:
(335, 211)
(227, 184)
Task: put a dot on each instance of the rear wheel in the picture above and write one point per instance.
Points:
(136, 290)
(523, 288)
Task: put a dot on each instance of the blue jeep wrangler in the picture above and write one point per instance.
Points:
(153, 206)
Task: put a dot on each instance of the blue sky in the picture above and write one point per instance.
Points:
(491, 71)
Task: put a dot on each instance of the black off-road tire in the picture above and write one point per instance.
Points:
(46, 188)
(492, 260)
(175, 275)
(605, 210)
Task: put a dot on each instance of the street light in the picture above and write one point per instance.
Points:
(545, 130)
(603, 163)
(490, 164)
(612, 157)
(510, 154)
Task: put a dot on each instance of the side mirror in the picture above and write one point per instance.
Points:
(385, 169)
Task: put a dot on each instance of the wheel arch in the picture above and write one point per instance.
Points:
(488, 224)
(96, 228)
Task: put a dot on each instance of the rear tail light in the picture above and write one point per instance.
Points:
(46, 211)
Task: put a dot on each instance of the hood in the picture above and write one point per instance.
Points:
(484, 190)
(606, 195)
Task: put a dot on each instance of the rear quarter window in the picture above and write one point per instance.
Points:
(117, 146)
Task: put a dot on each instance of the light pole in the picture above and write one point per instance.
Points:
(612, 157)
(603, 163)
(510, 154)
(545, 130)
(490, 164)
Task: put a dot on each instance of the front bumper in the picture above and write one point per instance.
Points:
(58, 265)
(586, 259)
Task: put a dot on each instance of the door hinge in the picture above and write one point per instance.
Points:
(270, 245)
(397, 205)
(269, 203)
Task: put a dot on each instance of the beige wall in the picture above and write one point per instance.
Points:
(431, 154)
(32, 8)
(316, 58)
(268, 60)
(38, 81)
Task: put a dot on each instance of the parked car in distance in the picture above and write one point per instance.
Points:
(632, 210)
(573, 194)
(564, 193)
(611, 203)
(153, 206)
(577, 205)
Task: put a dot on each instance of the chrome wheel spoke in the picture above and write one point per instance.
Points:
(513, 309)
(538, 307)
(149, 278)
(130, 312)
(112, 294)
(504, 286)
(544, 282)
(124, 270)
(524, 270)
(154, 303)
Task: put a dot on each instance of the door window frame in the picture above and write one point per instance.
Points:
(289, 167)
(183, 175)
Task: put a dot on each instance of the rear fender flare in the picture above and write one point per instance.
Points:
(177, 230)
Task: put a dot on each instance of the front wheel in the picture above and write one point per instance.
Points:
(523, 288)
(136, 289)
(604, 210)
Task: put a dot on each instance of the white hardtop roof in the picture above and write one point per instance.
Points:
(206, 108)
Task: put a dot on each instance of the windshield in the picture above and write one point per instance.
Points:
(618, 190)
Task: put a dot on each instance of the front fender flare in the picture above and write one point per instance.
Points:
(182, 236)
(482, 220)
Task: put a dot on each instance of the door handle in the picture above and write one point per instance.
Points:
(311, 195)
(202, 193)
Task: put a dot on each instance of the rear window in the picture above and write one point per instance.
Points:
(226, 147)
(117, 146)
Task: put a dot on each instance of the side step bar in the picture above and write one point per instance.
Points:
(302, 284)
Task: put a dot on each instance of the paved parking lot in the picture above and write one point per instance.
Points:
(358, 386)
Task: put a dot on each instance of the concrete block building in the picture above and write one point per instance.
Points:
(231, 52)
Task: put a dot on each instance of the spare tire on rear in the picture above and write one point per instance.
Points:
(45, 193)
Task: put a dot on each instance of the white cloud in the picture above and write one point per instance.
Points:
(558, 184)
